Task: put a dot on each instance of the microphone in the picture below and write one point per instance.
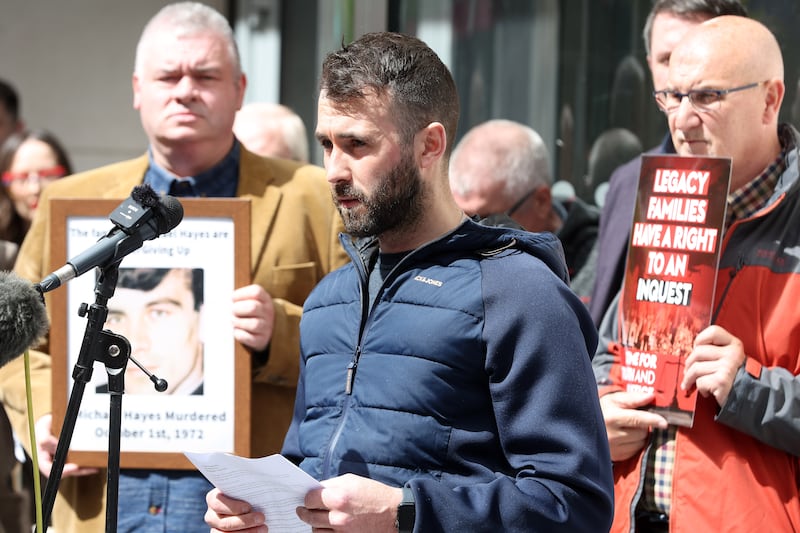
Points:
(23, 318)
(142, 217)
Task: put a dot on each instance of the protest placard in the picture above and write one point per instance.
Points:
(670, 275)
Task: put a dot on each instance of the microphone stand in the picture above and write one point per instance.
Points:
(113, 351)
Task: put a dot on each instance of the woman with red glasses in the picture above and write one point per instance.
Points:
(29, 161)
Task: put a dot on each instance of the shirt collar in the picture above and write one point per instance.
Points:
(754, 195)
(220, 181)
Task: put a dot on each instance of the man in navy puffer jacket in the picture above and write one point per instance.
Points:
(445, 381)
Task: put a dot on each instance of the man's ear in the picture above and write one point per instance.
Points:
(773, 99)
(543, 199)
(135, 84)
(430, 144)
(241, 84)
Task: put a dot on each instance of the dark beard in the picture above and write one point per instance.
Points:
(394, 205)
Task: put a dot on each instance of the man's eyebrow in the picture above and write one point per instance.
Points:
(205, 68)
(344, 136)
(164, 300)
(196, 69)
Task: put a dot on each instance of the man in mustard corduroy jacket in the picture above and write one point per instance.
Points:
(187, 87)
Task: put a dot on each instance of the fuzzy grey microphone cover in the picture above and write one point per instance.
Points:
(23, 317)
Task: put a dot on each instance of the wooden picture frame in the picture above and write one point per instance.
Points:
(213, 238)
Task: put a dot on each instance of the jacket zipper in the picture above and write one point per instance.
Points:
(351, 372)
(352, 367)
(366, 314)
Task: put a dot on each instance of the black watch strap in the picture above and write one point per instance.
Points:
(406, 512)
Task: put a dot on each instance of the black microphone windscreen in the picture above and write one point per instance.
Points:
(172, 211)
(145, 196)
(23, 317)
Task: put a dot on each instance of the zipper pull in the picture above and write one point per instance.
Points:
(351, 374)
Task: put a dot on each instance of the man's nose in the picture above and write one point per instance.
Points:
(139, 335)
(185, 88)
(685, 115)
(337, 166)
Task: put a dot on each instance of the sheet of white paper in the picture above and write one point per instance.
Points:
(272, 485)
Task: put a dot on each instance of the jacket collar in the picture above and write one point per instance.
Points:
(255, 179)
(790, 177)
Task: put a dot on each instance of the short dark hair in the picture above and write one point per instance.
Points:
(9, 98)
(420, 87)
(147, 279)
(691, 10)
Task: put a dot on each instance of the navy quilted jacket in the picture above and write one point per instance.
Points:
(470, 382)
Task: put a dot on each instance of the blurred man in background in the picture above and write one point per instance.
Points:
(502, 167)
(272, 130)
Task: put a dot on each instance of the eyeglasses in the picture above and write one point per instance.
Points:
(45, 175)
(702, 100)
(514, 208)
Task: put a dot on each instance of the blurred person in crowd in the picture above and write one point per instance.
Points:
(29, 162)
(611, 148)
(503, 167)
(12, 230)
(272, 130)
(666, 24)
(10, 116)
(735, 468)
(187, 86)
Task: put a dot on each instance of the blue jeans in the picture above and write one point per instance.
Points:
(162, 501)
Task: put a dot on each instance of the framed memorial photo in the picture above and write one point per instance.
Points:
(172, 302)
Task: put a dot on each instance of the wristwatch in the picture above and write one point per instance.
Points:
(406, 513)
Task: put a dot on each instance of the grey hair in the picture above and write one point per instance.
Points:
(273, 119)
(190, 18)
(522, 164)
(294, 134)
